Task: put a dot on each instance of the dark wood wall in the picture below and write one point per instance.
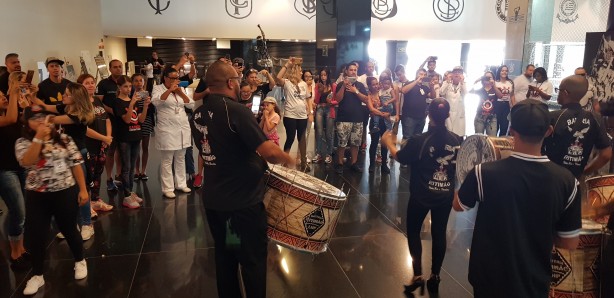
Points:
(205, 51)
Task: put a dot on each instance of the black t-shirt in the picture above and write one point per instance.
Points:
(123, 131)
(108, 89)
(350, 108)
(9, 134)
(524, 202)
(99, 125)
(227, 136)
(156, 69)
(572, 142)
(432, 158)
(4, 83)
(487, 102)
(414, 104)
(50, 92)
(77, 130)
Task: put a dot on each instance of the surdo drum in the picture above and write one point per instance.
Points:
(600, 191)
(302, 210)
(477, 149)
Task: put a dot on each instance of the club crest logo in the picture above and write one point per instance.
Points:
(157, 6)
(383, 9)
(568, 11)
(330, 8)
(306, 7)
(239, 9)
(501, 9)
(448, 10)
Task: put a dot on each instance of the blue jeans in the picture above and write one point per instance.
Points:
(325, 129)
(412, 126)
(489, 124)
(129, 152)
(85, 211)
(12, 192)
(377, 119)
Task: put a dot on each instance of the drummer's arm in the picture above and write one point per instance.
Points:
(389, 140)
(273, 154)
(602, 158)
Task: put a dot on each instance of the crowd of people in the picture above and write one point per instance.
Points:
(60, 136)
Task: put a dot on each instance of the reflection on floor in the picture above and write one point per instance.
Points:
(165, 249)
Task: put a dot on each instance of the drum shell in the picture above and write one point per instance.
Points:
(600, 190)
(576, 272)
(298, 217)
(477, 149)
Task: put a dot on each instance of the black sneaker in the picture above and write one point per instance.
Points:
(356, 168)
(385, 169)
(371, 168)
(137, 177)
(144, 177)
(339, 168)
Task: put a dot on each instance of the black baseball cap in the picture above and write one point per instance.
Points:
(530, 118)
(54, 59)
(238, 60)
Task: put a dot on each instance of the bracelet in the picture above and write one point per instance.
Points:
(37, 140)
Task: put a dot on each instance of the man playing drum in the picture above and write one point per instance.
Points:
(233, 146)
(527, 204)
(576, 131)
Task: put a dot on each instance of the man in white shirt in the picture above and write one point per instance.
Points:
(521, 84)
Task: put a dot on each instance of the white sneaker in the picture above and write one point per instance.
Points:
(185, 189)
(33, 284)
(80, 270)
(169, 194)
(136, 198)
(87, 232)
(130, 202)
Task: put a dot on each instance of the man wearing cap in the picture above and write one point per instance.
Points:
(454, 92)
(576, 131)
(521, 216)
(11, 61)
(51, 89)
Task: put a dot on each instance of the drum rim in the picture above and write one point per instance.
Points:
(599, 177)
(342, 195)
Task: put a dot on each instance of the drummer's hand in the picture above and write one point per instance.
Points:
(389, 139)
(603, 210)
(290, 161)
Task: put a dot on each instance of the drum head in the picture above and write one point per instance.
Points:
(475, 150)
(307, 182)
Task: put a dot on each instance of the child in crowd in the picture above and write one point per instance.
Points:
(128, 135)
(385, 104)
(270, 119)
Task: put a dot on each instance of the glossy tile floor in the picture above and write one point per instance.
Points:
(165, 248)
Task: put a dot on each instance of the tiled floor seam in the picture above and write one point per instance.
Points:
(140, 252)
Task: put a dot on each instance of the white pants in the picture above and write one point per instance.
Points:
(166, 170)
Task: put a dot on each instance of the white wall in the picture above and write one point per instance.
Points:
(36, 29)
(280, 19)
(116, 48)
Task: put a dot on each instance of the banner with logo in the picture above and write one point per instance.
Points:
(232, 19)
(516, 17)
(573, 18)
(438, 19)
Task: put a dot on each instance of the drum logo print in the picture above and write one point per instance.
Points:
(314, 221)
(560, 268)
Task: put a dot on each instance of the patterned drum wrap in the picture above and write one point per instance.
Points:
(600, 191)
(477, 149)
(302, 210)
(575, 273)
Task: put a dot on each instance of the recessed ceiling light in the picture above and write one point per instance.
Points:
(329, 39)
(183, 38)
(148, 37)
(214, 39)
(296, 40)
(285, 40)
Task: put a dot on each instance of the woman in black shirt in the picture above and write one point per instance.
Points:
(431, 156)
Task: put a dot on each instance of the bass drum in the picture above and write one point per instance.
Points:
(477, 149)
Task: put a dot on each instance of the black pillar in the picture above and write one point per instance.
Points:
(610, 26)
(353, 31)
(326, 35)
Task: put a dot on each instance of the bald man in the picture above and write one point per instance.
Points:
(235, 151)
(576, 131)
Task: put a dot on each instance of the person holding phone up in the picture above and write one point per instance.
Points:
(172, 131)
